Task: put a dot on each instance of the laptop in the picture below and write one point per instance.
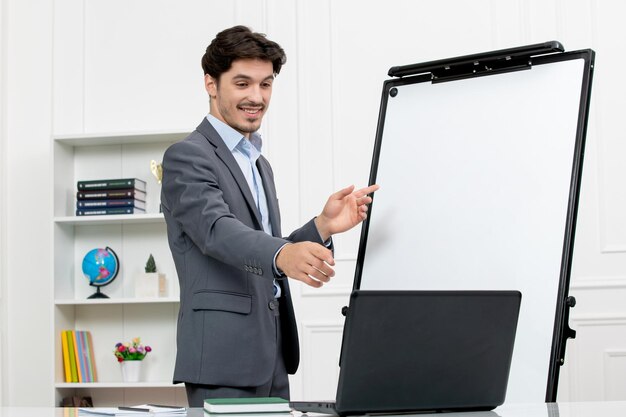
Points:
(413, 351)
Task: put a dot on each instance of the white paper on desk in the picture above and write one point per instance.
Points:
(110, 411)
(115, 411)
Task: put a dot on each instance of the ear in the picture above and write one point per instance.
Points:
(210, 84)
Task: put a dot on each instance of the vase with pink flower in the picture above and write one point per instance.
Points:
(130, 356)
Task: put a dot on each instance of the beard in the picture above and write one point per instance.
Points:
(238, 119)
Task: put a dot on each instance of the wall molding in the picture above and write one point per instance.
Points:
(589, 320)
(3, 188)
(309, 331)
(611, 248)
(611, 384)
(334, 290)
(598, 283)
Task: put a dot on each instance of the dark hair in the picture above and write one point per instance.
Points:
(239, 42)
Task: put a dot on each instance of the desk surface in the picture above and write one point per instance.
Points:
(586, 409)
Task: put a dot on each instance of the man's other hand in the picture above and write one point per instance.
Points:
(308, 262)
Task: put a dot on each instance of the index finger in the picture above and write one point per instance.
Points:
(367, 190)
(342, 193)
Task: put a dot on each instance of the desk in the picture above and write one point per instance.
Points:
(586, 409)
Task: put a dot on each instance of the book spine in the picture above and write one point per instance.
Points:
(88, 355)
(72, 355)
(109, 210)
(110, 203)
(247, 405)
(67, 371)
(79, 368)
(84, 359)
(92, 358)
(111, 194)
(111, 184)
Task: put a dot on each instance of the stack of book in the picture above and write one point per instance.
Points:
(78, 359)
(112, 196)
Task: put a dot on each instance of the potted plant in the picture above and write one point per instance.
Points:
(151, 283)
(129, 355)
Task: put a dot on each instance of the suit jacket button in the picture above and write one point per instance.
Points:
(273, 305)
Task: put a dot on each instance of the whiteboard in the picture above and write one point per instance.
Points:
(475, 179)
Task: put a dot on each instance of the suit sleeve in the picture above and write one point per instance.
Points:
(191, 193)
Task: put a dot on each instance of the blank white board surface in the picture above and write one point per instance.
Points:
(475, 181)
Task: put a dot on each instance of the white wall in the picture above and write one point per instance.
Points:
(3, 311)
(75, 66)
(28, 93)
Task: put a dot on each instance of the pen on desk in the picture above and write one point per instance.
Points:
(164, 406)
(145, 410)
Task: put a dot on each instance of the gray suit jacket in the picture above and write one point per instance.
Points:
(224, 260)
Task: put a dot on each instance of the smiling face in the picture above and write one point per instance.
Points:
(242, 94)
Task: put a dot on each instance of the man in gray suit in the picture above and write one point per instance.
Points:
(237, 334)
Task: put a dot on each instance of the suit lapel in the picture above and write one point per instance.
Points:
(270, 194)
(222, 151)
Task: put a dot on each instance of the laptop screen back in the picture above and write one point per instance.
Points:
(426, 350)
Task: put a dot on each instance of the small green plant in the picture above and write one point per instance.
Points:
(150, 265)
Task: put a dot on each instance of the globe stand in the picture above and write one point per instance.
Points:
(98, 294)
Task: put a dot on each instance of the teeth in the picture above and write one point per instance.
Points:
(251, 111)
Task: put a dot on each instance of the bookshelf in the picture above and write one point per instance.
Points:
(133, 237)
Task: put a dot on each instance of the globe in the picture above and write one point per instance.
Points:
(100, 267)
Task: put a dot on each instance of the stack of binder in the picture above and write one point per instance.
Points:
(111, 196)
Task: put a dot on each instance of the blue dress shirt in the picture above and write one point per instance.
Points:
(246, 152)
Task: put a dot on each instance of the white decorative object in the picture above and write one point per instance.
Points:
(131, 371)
(150, 284)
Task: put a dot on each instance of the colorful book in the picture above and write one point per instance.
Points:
(111, 194)
(92, 357)
(109, 210)
(84, 356)
(112, 184)
(77, 354)
(67, 371)
(246, 405)
(119, 202)
(72, 355)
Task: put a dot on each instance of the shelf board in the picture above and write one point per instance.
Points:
(97, 139)
(155, 384)
(100, 301)
(110, 219)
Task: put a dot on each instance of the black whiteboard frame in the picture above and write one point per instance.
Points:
(486, 64)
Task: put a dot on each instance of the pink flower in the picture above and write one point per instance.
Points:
(133, 351)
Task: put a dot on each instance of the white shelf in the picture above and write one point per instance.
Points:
(111, 219)
(101, 301)
(155, 384)
(133, 237)
(122, 138)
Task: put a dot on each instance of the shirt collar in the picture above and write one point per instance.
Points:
(231, 137)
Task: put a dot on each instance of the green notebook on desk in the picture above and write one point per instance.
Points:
(246, 405)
